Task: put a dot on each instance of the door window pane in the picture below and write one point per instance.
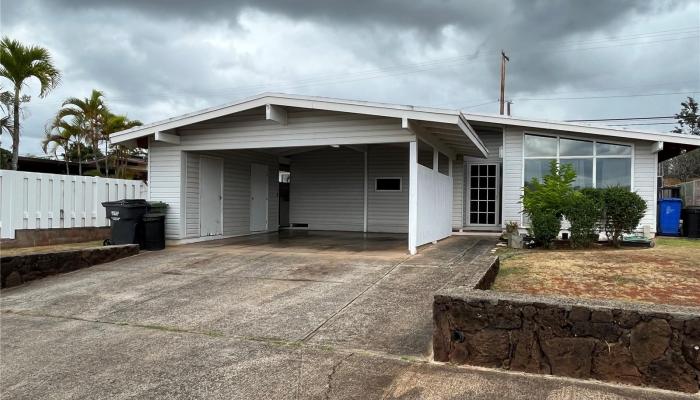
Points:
(540, 146)
(613, 172)
(607, 149)
(584, 172)
(570, 147)
(536, 169)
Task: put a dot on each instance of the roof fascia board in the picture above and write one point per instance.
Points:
(472, 135)
(592, 130)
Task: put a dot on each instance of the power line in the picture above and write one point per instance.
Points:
(649, 123)
(605, 97)
(618, 119)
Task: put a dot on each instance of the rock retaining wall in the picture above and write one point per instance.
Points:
(637, 344)
(15, 270)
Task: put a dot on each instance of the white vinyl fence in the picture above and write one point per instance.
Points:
(31, 200)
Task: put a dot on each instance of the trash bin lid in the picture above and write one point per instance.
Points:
(153, 216)
(126, 203)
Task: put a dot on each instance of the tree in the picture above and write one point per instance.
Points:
(18, 63)
(115, 123)
(88, 115)
(685, 166)
(53, 141)
(688, 119)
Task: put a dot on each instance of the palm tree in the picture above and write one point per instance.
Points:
(73, 133)
(89, 114)
(115, 123)
(53, 141)
(18, 63)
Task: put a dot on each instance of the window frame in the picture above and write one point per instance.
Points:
(400, 189)
(594, 156)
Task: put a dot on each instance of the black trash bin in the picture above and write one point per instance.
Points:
(153, 231)
(691, 222)
(126, 219)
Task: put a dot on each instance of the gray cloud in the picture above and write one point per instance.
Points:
(158, 58)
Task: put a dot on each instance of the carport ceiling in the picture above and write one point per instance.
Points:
(452, 136)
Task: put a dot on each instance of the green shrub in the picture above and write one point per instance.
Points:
(583, 213)
(545, 226)
(553, 193)
(622, 211)
(545, 202)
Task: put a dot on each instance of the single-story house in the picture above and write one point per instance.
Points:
(371, 167)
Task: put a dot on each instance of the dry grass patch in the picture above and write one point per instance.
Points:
(666, 274)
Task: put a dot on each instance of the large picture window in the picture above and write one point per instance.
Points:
(597, 164)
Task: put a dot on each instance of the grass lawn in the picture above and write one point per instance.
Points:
(666, 274)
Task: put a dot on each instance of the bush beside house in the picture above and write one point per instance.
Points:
(613, 210)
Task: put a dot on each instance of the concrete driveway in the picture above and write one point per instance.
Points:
(290, 315)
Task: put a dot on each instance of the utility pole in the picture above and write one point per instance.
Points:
(502, 99)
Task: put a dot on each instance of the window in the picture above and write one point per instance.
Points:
(597, 164)
(387, 185)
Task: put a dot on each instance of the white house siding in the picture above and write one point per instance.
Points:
(326, 189)
(236, 202)
(458, 193)
(644, 180)
(192, 195)
(512, 175)
(644, 172)
(492, 137)
(250, 130)
(166, 179)
(387, 211)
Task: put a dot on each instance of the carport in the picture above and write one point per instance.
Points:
(351, 166)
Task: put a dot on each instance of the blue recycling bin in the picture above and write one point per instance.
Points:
(670, 216)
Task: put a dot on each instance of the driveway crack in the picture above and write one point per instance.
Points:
(334, 369)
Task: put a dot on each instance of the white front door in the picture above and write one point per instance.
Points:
(211, 172)
(258, 197)
(482, 194)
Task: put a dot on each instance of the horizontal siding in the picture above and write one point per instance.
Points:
(236, 201)
(645, 172)
(237, 190)
(326, 189)
(165, 183)
(458, 193)
(304, 128)
(192, 195)
(387, 211)
(512, 175)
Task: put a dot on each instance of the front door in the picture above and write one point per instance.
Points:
(482, 194)
(259, 183)
(211, 171)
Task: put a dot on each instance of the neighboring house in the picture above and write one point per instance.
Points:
(369, 167)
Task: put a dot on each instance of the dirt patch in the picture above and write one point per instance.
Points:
(666, 274)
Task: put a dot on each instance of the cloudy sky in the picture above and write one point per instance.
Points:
(569, 59)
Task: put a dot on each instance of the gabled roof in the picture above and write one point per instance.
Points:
(407, 112)
(290, 100)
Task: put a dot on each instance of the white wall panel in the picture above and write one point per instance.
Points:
(434, 219)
